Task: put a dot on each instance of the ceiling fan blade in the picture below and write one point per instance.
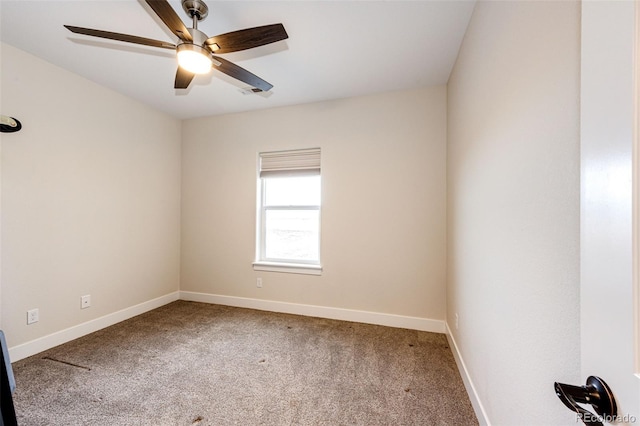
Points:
(170, 18)
(120, 37)
(183, 78)
(247, 38)
(241, 74)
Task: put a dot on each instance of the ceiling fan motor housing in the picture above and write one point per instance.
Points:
(198, 36)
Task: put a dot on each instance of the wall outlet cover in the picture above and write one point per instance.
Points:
(85, 301)
(33, 316)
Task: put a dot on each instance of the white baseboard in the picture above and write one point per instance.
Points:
(33, 347)
(481, 414)
(390, 320)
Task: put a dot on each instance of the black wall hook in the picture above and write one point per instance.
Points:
(596, 393)
(9, 124)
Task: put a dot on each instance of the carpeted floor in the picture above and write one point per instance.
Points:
(191, 363)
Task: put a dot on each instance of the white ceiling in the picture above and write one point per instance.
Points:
(336, 49)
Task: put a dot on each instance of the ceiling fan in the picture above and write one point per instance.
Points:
(196, 51)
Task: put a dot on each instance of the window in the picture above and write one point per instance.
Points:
(288, 224)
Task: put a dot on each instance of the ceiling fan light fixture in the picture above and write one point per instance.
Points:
(194, 58)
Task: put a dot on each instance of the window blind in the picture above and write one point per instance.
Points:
(285, 163)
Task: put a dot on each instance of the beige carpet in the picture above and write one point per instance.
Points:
(198, 364)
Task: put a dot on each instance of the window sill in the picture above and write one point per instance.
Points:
(289, 268)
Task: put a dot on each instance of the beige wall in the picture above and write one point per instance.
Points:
(91, 202)
(90, 199)
(383, 214)
(513, 207)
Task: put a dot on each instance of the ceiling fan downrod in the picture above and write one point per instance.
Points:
(196, 9)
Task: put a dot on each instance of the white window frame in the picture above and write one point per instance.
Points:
(263, 263)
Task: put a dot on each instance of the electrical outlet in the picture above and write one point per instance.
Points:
(456, 320)
(33, 316)
(85, 301)
(259, 282)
